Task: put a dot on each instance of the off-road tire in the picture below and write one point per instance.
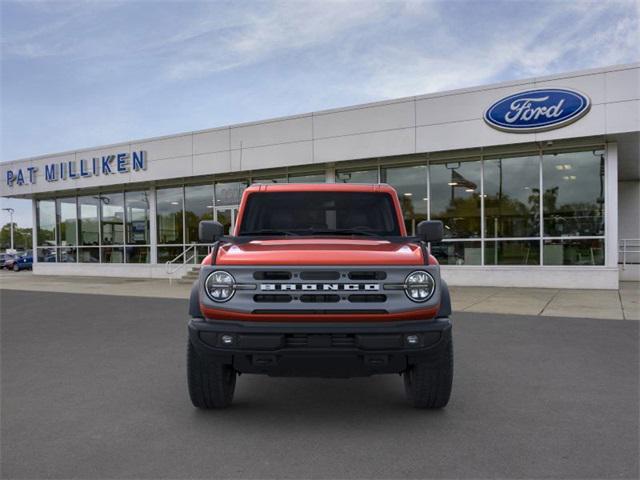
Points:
(211, 384)
(428, 384)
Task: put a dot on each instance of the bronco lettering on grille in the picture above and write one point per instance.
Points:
(370, 287)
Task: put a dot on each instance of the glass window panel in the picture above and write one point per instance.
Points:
(229, 193)
(198, 206)
(88, 220)
(458, 253)
(89, 255)
(359, 176)
(112, 255)
(512, 197)
(318, 177)
(67, 254)
(47, 254)
(166, 254)
(112, 218)
(455, 198)
(574, 252)
(573, 198)
(46, 222)
(169, 205)
(137, 254)
(137, 217)
(411, 185)
(512, 252)
(281, 179)
(67, 221)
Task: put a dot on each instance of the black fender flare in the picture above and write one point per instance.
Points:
(194, 301)
(445, 301)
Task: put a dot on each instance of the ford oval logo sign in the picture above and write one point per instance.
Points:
(537, 110)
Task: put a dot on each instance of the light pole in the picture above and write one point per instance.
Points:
(11, 212)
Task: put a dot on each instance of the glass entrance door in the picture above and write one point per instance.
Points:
(227, 217)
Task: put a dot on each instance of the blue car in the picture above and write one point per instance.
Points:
(23, 262)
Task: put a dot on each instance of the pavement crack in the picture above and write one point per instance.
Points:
(550, 300)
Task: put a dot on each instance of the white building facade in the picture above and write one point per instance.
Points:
(536, 181)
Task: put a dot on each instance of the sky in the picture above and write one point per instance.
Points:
(87, 73)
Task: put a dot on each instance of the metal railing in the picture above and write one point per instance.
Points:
(628, 247)
(189, 257)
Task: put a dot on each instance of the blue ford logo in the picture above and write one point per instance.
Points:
(537, 110)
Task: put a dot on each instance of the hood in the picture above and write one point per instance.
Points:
(320, 251)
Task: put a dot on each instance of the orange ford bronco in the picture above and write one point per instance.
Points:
(320, 280)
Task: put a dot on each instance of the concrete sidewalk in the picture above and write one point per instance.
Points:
(610, 304)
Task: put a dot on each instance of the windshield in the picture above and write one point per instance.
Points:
(319, 213)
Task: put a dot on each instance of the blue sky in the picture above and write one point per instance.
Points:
(81, 74)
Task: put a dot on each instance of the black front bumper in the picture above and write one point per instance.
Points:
(320, 350)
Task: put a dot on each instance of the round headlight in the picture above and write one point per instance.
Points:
(419, 286)
(220, 286)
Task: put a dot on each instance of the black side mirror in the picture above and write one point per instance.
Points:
(430, 231)
(210, 231)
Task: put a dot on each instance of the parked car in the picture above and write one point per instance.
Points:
(7, 261)
(23, 262)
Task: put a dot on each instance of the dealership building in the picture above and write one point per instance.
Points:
(535, 180)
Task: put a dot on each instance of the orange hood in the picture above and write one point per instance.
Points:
(320, 251)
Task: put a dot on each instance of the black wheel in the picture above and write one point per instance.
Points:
(428, 384)
(211, 384)
(16, 268)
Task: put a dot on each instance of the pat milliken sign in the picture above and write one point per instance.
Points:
(105, 165)
(537, 110)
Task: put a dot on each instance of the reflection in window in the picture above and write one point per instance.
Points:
(169, 206)
(358, 176)
(67, 212)
(457, 253)
(137, 218)
(137, 254)
(112, 218)
(455, 198)
(411, 185)
(166, 254)
(229, 193)
(47, 254)
(282, 179)
(573, 252)
(512, 197)
(88, 220)
(89, 255)
(46, 217)
(318, 177)
(512, 252)
(112, 254)
(198, 206)
(67, 254)
(573, 198)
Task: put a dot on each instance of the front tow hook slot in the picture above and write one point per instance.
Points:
(264, 360)
(376, 360)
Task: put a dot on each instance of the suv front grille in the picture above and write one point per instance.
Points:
(320, 340)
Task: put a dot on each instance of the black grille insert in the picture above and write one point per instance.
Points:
(320, 340)
(359, 298)
(319, 298)
(272, 298)
(271, 275)
(319, 275)
(367, 275)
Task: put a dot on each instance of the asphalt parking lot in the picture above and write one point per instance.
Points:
(94, 387)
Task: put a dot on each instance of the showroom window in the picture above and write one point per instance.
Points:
(67, 224)
(411, 184)
(137, 237)
(46, 230)
(170, 223)
(88, 229)
(357, 176)
(112, 227)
